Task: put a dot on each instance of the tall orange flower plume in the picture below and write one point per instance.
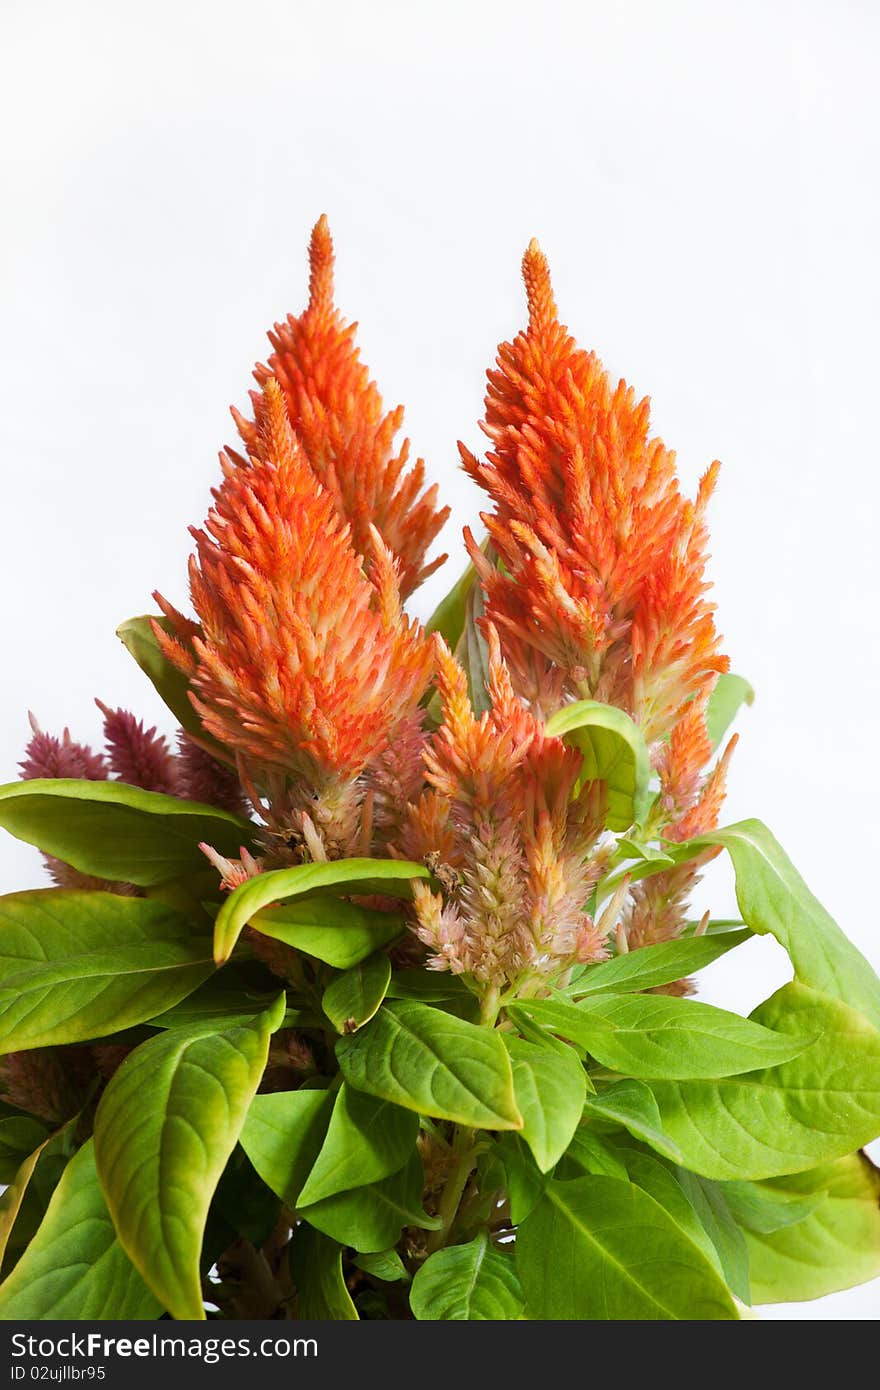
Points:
(337, 414)
(302, 667)
(601, 593)
(509, 839)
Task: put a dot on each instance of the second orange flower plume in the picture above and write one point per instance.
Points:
(313, 684)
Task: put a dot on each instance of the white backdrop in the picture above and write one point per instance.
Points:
(703, 179)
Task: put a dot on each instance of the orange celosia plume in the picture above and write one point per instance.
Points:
(503, 815)
(602, 590)
(337, 414)
(302, 667)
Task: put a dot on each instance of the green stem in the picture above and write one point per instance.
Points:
(463, 1148)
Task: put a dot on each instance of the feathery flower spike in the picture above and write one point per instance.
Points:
(602, 583)
(303, 667)
(138, 756)
(336, 412)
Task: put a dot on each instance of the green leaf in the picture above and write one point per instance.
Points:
(774, 899)
(19, 1136)
(353, 997)
(631, 1103)
(658, 1180)
(650, 966)
(427, 986)
(383, 1264)
(12, 1198)
(336, 932)
(730, 694)
(658, 1036)
(77, 965)
(138, 638)
(591, 1154)
(596, 1248)
(467, 1283)
(282, 1136)
(433, 1063)
(316, 1266)
(367, 1139)
(783, 1119)
(448, 617)
(764, 1207)
(707, 1200)
(164, 1130)
(75, 1268)
(614, 752)
(834, 1246)
(391, 877)
(118, 832)
(550, 1088)
(371, 1218)
(524, 1179)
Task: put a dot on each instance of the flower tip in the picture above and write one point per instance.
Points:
(321, 259)
(539, 292)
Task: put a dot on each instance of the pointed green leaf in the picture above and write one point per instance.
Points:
(352, 998)
(614, 752)
(550, 1088)
(650, 966)
(467, 1283)
(391, 877)
(383, 1264)
(707, 1200)
(433, 1063)
(730, 694)
(282, 1136)
(118, 832)
(164, 1130)
(659, 1036)
(336, 932)
(659, 1181)
(75, 965)
(774, 899)
(783, 1119)
(371, 1218)
(138, 638)
(75, 1268)
(367, 1139)
(631, 1103)
(448, 617)
(596, 1248)
(591, 1154)
(316, 1266)
(834, 1246)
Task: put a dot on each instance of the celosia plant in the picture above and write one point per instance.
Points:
(370, 999)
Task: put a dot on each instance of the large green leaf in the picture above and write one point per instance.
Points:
(390, 877)
(331, 930)
(75, 1268)
(708, 1201)
(658, 1179)
(164, 1130)
(371, 1218)
(654, 1035)
(118, 832)
(550, 1088)
(367, 1139)
(433, 1063)
(352, 998)
(316, 1266)
(631, 1103)
(139, 639)
(282, 1136)
(730, 694)
(650, 966)
(77, 965)
(467, 1283)
(834, 1246)
(614, 752)
(783, 1119)
(774, 899)
(597, 1248)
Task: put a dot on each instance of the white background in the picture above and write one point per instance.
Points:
(703, 177)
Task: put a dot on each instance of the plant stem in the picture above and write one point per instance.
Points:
(461, 1170)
